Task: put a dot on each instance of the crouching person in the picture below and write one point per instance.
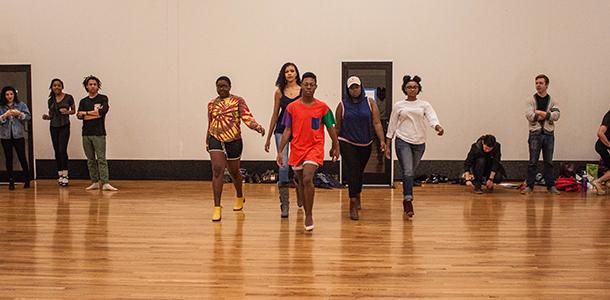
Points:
(483, 165)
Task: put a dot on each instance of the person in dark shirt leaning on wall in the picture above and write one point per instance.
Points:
(92, 110)
(483, 165)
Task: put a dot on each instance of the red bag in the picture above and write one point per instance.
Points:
(567, 184)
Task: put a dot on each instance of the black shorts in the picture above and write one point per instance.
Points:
(232, 149)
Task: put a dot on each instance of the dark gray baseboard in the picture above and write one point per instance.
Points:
(201, 169)
(158, 169)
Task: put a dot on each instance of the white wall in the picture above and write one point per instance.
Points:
(158, 60)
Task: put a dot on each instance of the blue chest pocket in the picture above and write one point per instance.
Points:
(315, 123)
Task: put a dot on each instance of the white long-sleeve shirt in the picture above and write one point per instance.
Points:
(408, 121)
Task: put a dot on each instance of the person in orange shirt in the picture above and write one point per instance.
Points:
(304, 122)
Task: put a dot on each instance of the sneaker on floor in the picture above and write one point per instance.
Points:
(477, 189)
(93, 186)
(527, 190)
(553, 190)
(108, 187)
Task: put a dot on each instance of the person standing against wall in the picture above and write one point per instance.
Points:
(13, 116)
(542, 112)
(92, 110)
(61, 106)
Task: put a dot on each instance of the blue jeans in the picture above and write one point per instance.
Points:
(283, 171)
(409, 156)
(546, 143)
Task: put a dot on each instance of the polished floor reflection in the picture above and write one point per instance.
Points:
(155, 240)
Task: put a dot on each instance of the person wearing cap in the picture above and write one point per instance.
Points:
(483, 164)
(408, 124)
(357, 115)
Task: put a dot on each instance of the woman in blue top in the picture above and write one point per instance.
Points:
(357, 116)
(288, 89)
(13, 115)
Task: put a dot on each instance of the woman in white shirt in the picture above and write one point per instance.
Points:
(408, 123)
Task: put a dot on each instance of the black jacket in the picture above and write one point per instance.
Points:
(476, 152)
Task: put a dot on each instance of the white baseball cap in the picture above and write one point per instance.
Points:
(353, 80)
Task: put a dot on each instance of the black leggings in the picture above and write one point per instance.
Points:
(603, 152)
(60, 137)
(355, 158)
(19, 145)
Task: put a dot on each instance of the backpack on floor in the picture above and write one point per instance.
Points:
(567, 184)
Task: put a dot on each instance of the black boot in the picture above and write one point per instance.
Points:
(26, 184)
(408, 208)
(11, 184)
(284, 199)
(353, 209)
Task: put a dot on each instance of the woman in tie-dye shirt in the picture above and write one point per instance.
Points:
(223, 141)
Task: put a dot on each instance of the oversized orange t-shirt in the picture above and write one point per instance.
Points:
(306, 122)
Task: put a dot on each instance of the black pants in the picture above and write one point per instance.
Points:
(19, 145)
(356, 158)
(481, 169)
(603, 151)
(60, 137)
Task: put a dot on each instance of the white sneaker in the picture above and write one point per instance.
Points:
(108, 187)
(63, 181)
(94, 186)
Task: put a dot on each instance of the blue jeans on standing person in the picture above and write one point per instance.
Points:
(409, 156)
(546, 143)
(283, 171)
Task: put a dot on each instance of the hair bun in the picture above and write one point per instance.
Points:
(406, 78)
(416, 79)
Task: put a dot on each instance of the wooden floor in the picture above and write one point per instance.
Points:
(155, 240)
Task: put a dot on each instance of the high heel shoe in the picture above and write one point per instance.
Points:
(217, 214)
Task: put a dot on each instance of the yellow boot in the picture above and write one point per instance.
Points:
(239, 203)
(217, 215)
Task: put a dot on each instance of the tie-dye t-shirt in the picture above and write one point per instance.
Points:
(225, 116)
(306, 122)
